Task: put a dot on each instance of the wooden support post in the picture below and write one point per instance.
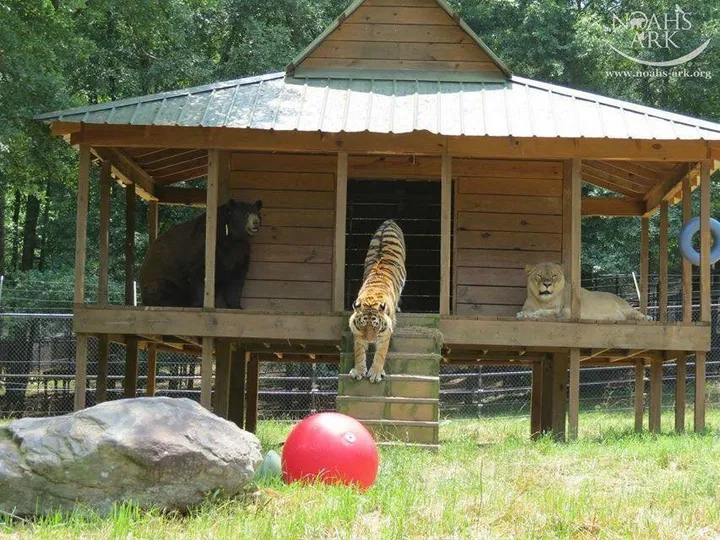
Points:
(81, 348)
(341, 181)
(213, 180)
(104, 244)
(81, 356)
(559, 395)
(236, 407)
(705, 241)
(547, 394)
(644, 263)
(81, 222)
(639, 395)
(663, 262)
(680, 391)
(130, 207)
(222, 378)
(656, 365)
(705, 313)
(151, 386)
(445, 233)
(103, 268)
(131, 367)
(700, 367)
(206, 379)
(574, 394)
(536, 400)
(253, 384)
(572, 231)
(687, 272)
(131, 342)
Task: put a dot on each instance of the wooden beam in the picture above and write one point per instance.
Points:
(574, 394)
(705, 240)
(610, 206)
(253, 384)
(445, 233)
(104, 234)
(700, 390)
(656, 365)
(547, 394)
(238, 324)
(644, 263)
(131, 367)
(211, 224)
(567, 334)
(665, 189)
(341, 179)
(536, 400)
(559, 399)
(222, 378)
(639, 395)
(181, 196)
(663, 262)
(236, 406)
(129, 245)
(103, 368)
(629, 354)
(81, 357)
(572, 191)
(128, 171)
(151, 386)
(81, 223)
(680, 391)
(630, 172)
(206, 375)
(224, 177)
(102, 135)
(687, 270)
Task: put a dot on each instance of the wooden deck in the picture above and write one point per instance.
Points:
(288, 330)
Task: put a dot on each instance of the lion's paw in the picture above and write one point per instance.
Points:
(647, 318)
(358, 375)
(521, 315)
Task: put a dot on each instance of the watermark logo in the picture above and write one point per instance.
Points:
(657, 31)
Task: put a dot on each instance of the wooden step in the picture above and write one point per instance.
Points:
(425, 320)
(421, 386)
(405, 340)
(397, 363)
(415, 432)
(389, 408)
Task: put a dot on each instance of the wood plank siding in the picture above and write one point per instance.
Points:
(291, 268)
(507, 214)
(399, 35)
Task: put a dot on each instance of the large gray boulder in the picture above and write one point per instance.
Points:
(156, 452)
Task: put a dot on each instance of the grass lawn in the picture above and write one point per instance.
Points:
(488, 481)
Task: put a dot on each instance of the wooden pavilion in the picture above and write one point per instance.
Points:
(401, 94)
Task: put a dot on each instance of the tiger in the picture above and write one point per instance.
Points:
(373, 318)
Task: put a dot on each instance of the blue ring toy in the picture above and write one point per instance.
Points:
(686, 235)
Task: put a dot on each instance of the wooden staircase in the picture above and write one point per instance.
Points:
(404, 408)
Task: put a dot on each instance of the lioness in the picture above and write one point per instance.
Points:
(545, 299)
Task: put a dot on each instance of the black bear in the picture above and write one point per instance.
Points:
(173, 273)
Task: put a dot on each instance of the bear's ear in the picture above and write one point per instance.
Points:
(231, 203)
(258, 204)
(528, 269)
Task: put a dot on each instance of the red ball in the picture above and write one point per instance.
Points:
(333, 448)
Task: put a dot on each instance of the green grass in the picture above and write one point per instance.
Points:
(487, 481)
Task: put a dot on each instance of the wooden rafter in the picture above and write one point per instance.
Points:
(667, 187)
(612, 186)
(609, 206)
(623, 178)
(128, 171)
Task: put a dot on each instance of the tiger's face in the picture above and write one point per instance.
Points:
(370, 319)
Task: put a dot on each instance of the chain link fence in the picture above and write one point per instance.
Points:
(37, 362)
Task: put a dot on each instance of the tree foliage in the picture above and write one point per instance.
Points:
(60, 53)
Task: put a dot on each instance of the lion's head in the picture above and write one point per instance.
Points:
(545, 281)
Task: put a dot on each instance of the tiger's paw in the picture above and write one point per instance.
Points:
(376, 375)
(358, 375)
